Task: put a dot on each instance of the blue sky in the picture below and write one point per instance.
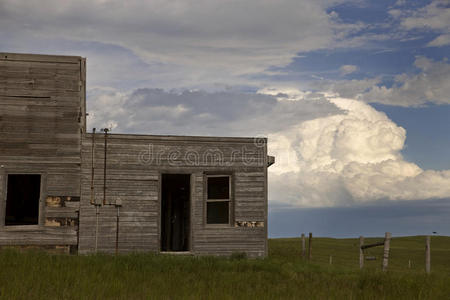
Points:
(353, 94)
(427, 127)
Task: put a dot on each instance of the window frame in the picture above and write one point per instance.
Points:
(229, 200)
(4, 195)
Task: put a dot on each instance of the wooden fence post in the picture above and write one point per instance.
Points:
(303, 246)
(427, 255)
(361, 252)
(310, 246)
(387, 244)
(331, 260)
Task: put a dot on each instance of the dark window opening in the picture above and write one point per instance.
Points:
(218, 200)
(22, 200)
(219, 187)
(175, 212)
(217, 212)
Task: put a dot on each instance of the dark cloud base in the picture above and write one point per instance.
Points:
(400, 218)
(156, 111)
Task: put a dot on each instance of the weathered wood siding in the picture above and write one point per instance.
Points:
(134, 167)
(42, 127)
(42, 118)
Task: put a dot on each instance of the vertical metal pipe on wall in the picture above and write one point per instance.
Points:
(93, 201)
(104, 167)
(117, 203)
(117, 227)
(93, 167)
(97, 212)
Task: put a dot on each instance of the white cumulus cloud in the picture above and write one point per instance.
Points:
(353, 156)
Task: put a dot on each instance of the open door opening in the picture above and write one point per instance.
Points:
(175, 212)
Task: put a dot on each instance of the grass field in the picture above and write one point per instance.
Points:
(283, 275)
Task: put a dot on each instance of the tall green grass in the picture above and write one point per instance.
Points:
(283, 275)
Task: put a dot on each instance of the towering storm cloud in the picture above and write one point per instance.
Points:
(353, 156)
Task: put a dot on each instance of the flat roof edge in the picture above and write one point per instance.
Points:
(9, 56)
(185, 137)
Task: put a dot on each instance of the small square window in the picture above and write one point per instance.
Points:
(218, 191)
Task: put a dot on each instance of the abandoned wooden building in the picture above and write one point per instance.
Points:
(64, 188)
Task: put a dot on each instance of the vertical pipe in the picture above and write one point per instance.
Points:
(303, 246)
(428, 255)
(93, 202)
(92, 170)
(117, 229)
(78, 231)
(387, 243)
(361, 252)
(96, 226)
(104, 166)
(310, 246)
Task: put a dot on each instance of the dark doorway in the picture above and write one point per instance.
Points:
(175, 212)
(22, 200)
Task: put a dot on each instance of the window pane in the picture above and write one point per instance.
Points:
(22, 200)
(218, 187)
(217, 212)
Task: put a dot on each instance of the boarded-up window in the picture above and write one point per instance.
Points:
(22, 200)
(218, 199)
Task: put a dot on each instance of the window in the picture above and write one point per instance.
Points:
(22, 199)
(218, 194)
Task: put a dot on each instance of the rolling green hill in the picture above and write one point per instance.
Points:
(283, 275)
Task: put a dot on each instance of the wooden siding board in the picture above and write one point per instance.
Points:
(43, 236)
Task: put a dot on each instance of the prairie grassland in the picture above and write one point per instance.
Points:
(283, 275)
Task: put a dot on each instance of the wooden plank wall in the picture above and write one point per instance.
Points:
(134, 167)
(42, 117)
